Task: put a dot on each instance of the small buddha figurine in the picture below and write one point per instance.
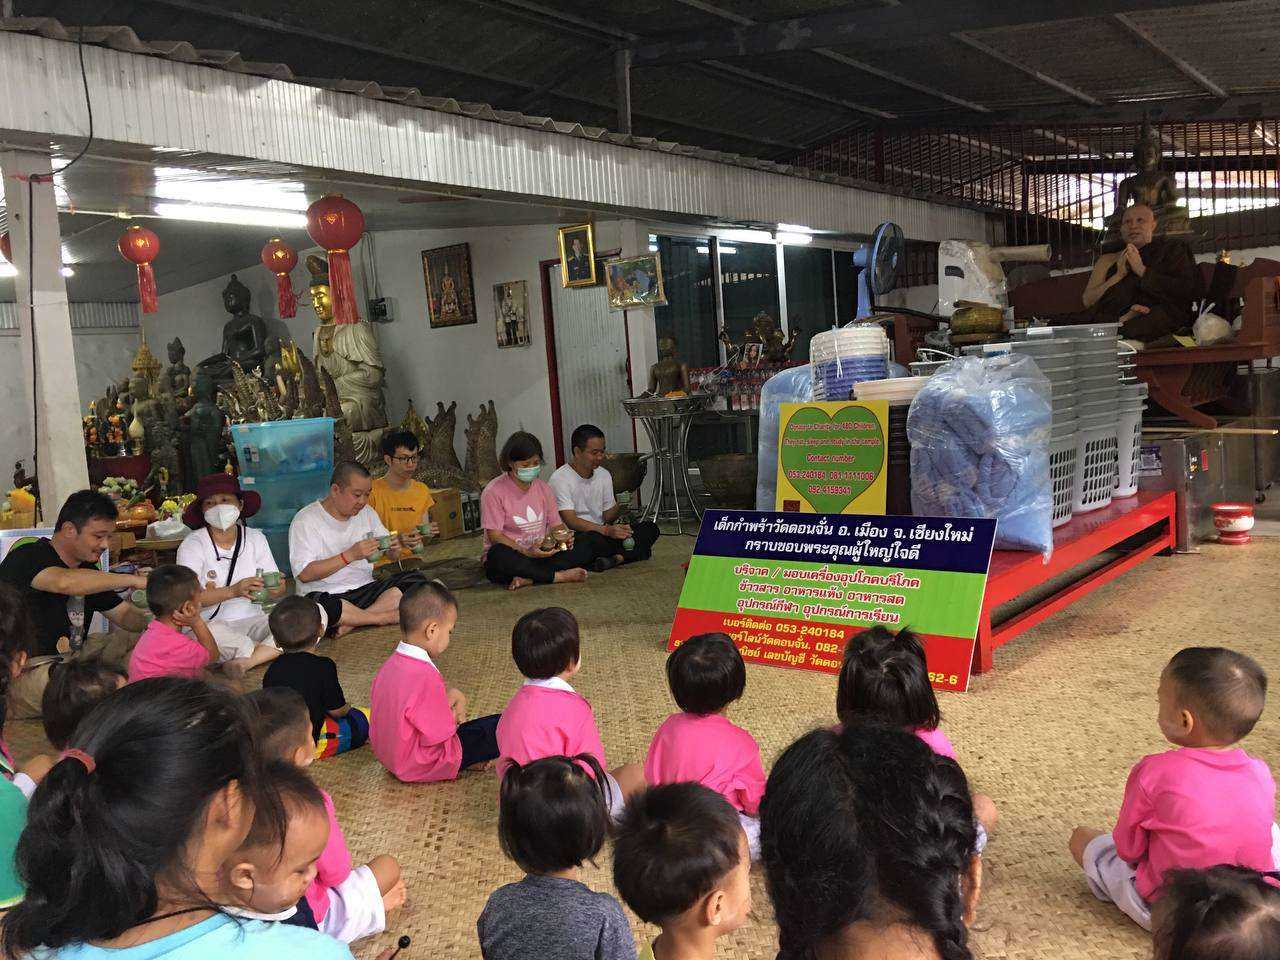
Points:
(244, 336)
(669, 375)
(204, 428)
(177, 376)
(1151, 186)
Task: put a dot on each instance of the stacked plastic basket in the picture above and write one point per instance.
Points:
(840, 358)
(1132, 401)
(1098, 386)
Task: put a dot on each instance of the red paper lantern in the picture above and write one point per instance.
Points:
(337, 224)
(140, 246)
(6, 250)
(280, 259)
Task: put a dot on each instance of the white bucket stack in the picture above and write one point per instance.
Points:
(840, 358)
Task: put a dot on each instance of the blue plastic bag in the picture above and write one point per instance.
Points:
(793, 385)
(979, 432)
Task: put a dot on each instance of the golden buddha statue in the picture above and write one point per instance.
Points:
(669, 376)
(349, 352)
(1156, 188)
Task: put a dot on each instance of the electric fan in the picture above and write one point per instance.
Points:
(877, 264)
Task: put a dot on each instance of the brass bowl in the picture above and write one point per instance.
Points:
(628, 470)
(730, 479)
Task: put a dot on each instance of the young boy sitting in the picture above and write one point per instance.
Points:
(297, 626)
(269, 878)
(347, 904)
(164, 649)
(417, 726)
(681, 861)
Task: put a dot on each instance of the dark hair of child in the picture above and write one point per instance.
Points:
(545, 642)
(552, 813)
(1227, 690)
(674, 844)
(867, 824)
(75, 687)
(16, 633)
(162, 749)
(1222, 913)
(169, 586)
(281, 721)
(297, 792)
(884, 678)
(424, 602)
(295, 623)
(706, 673)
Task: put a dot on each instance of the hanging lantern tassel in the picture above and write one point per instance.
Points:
(140, 246)
(280, 259)
(337, 224)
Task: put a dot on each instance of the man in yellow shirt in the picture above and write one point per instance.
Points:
(400, 501)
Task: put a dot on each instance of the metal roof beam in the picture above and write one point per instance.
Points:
(1143, 35)
(1175, 110)
(878, 25)
(1008, 61)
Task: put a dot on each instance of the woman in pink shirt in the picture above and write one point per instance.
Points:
(700, 744)
(1204, 804)
(517, 511)
(885, 679)
(547, 717)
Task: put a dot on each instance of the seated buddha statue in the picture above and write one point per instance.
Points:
(669, 375)
(244, 336)
(1151, 187)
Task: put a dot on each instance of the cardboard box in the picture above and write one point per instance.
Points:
(447, 512)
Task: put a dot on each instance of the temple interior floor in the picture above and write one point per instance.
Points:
(1050, 735)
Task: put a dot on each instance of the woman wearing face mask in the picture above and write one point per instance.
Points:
(518, 511)
(227, 556)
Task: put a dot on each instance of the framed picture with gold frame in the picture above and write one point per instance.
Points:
(577, 256)
(635, 282)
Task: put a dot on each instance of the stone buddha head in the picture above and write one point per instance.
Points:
(236, 297)
(177, 352)
(321, 295)
(1148, 149)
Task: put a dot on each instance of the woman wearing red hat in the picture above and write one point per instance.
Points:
(227, 556)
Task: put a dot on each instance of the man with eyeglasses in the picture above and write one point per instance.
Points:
(400, 501)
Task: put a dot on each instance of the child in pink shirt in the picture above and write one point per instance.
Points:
(347, 903)
(417, 726)
(163, 650)
(547, 717)
(700, 744)
(885, 679)
(1204, 804)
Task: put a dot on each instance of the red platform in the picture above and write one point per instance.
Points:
(1013, 573)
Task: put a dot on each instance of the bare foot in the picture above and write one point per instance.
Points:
(394, 898)
(341, 630)
(484, 766)
(1081, 837)
(576, 575)
(518, 583)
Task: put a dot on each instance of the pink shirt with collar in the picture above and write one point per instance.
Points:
(333, 867)
(411, 728)
(709, 750)
(164, 651)
(1195, 807)
(938, 741)
(547, 718)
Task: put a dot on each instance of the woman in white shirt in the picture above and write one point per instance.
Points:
(227, 556)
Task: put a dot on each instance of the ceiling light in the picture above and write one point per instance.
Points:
(244, 216)
(212, 187)
(793, 228)
(794, 239)
(653, 248)
(748, 236)
(66, 271)
(705, 249)
(727, 250)
(7, 269)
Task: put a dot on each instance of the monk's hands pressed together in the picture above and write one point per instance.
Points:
(1133, 257)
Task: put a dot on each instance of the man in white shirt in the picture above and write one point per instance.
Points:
(331, 542)
(584, 495)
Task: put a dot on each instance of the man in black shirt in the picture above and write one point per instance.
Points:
(63, 588)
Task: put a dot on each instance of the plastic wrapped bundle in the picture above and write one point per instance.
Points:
(979, 432)
(789, 386)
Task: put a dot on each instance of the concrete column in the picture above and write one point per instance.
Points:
(642, 332)
(44, 322)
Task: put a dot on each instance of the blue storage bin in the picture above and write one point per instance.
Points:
(278, 539)
(283, 496)
(283, 447)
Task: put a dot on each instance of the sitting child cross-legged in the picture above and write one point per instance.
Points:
(165, 649)
(1204, 804)
(1223, 913)
(680, 860)
(418, 727)
(552, 817)
(700, 744)
(345, 903)
(547, 717)
(297, 626)
(271, 877)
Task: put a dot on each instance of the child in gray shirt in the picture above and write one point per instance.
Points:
(552, 817)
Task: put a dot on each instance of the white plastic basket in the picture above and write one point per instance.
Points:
(1062, 471)
(1095, 469)
(1128, 451)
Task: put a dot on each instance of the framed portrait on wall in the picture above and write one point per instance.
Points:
(635, 282)
(451, 297)
(577, 256)
(511, 313)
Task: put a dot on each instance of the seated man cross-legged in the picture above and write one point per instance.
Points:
(331, 543)
(585, 498)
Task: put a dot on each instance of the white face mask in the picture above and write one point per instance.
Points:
(223, 516)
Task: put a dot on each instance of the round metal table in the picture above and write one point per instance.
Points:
(666, 421)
